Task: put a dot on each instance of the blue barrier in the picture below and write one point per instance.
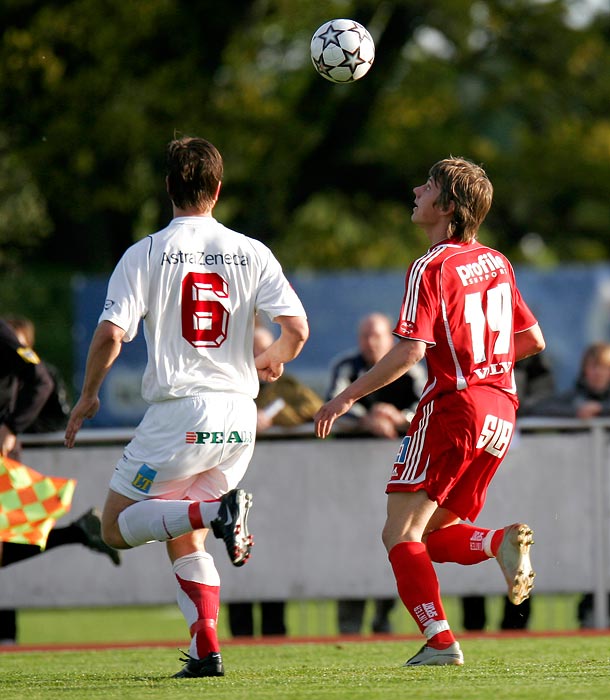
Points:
(572, 303)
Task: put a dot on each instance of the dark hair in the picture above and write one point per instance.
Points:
(194, 171)
(596, 352)
(466, 185)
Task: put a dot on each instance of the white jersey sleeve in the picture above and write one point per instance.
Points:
(125, 303)
(197, 286)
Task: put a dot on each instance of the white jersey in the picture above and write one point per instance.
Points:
(197, 285)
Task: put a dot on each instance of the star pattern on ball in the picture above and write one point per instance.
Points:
(330, 36)
(359, 29)
(352, 60)
(321, 67)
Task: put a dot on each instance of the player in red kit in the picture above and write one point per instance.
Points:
(463, 312)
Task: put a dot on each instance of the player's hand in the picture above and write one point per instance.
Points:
(328, 414)
(84, 408)
(268, 370)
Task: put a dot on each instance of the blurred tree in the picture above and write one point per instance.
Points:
(24, 220)
(92, 89)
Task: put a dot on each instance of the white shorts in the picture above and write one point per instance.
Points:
(195, 448)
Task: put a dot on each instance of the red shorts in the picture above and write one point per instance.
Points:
(453, 448)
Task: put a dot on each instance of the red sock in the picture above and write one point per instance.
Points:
(419, 591)
(206, 600)
(462, 544)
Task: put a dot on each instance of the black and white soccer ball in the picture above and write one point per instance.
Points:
(342, 50)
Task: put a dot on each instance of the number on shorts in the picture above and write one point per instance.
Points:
(495, 435)
(204, 319)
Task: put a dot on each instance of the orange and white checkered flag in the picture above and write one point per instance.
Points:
(30, 503)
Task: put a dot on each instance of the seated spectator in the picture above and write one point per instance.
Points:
(385, 413)
(286, 402)
(590, 395)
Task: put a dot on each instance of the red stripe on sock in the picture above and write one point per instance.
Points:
(195, 516)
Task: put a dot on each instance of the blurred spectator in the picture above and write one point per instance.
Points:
(535, 383)
(284, 403)
(385, 413)
(590, 396)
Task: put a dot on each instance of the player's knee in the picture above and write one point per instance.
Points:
(387, 537)
(111, 535)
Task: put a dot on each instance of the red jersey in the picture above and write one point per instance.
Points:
(462, 300)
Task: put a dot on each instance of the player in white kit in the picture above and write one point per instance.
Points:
(197, 286)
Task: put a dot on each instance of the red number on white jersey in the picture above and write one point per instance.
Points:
(204, 317)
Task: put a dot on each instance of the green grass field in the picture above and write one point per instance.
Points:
(539, 665)
(526, 668)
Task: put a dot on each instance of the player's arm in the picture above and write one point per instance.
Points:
(398, 360)
(529, 342)
(104, 349)
(293, 335)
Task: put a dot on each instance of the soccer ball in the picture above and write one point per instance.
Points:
(342, 50)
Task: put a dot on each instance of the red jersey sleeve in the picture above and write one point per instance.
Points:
(523, 317)
(421, 301)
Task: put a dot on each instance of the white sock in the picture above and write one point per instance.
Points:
(159, 520)
(487, 543)
(199, 567)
